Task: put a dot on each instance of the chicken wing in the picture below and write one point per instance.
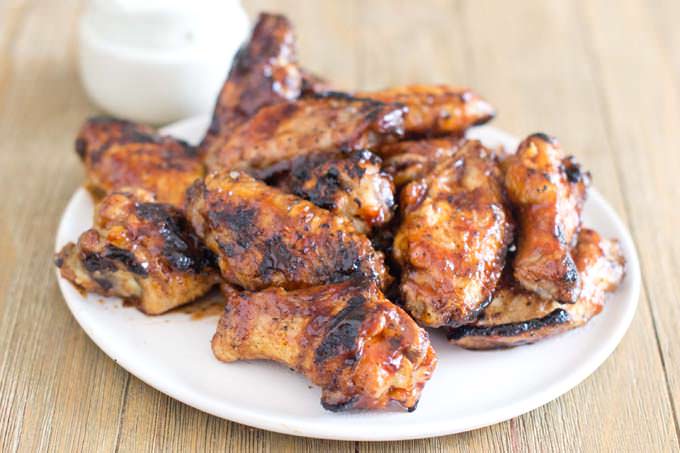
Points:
(549, 191)
(119, 154)
(264, 72)
(436, 109)
(452, 242)
(363, 351)
(352, 186)
(142, 251)
(264, 237)
(409, 160)
(322, 123)
(517, 316)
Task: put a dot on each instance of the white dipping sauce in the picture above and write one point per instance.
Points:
(157, 61)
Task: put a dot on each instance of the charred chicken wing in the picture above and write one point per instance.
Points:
(548, 191)
(264, 72)
(264, 237)
(363, 351)
(142, 251)
(409, 160)
(517, 316)
(436, 109)
(119, 154)
(317, 124)
(452, 242)
(352, 186)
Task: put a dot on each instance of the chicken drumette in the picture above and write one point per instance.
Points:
(363, 351)
(549, 191)
(436, 109)
(351, 185)
(517, 316)
(453, 239)
(119, 154)
(142, 251)
(275, 135)
(264, 237)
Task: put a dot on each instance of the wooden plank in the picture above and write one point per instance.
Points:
(637, 58)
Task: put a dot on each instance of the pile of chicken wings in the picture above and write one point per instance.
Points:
(339, 225)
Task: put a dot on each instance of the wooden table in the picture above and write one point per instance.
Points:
(602, 76)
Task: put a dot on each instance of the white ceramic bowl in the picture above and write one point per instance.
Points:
(157, 66)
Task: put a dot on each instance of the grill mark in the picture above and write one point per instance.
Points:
(556, 317)
(343, 331)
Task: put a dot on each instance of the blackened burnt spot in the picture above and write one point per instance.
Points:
(104, 283)
(241, 220)
(545, 137)
(341, 406)
(573, 170)
(183, 249)
(324, 190)
(346, 262)
(556, 317)
(343, 331)
(81, 148)
(126, 258)
(277, 257)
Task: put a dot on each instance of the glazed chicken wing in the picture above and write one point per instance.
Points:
(322, 123)
(517, 316)
(436, 109)
(142, 251)
(409, 160)
(264, 72)
(264, 237)
(549, 191)
(363, 351)
(352, 186)
(452, 242)
(119, 154)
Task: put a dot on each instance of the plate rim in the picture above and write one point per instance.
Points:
(374, 432)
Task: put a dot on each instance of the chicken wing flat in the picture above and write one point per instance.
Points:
(322, 123)
(142, 251)
(264, 237)
(436, 109)
(549, 191)
(264, 72)
(364, 351)
(517, 316)
(352, 186)
(119, 154)
(410, 160)
(453, 239)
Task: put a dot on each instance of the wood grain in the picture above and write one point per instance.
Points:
(604, 78)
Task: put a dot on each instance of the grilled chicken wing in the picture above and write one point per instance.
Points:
(322, 123)
(264, 72)
(436, 109)
(352, 186)
(363, 351)
(409, 160)
(264, 237)
(517, 316)
(119, 154)
(453, 239)
(142, 251)
(549, 191)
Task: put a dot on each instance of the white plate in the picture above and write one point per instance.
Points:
(468, 390)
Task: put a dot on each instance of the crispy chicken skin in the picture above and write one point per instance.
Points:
(142, 251)
(264, 72)
(362, 350)
(409, 160)
(453, 240)
(321, 123)
(119, 154)
(548, 191)
(517, 316)
(264, 237)
(436, 109)
(352, 186)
